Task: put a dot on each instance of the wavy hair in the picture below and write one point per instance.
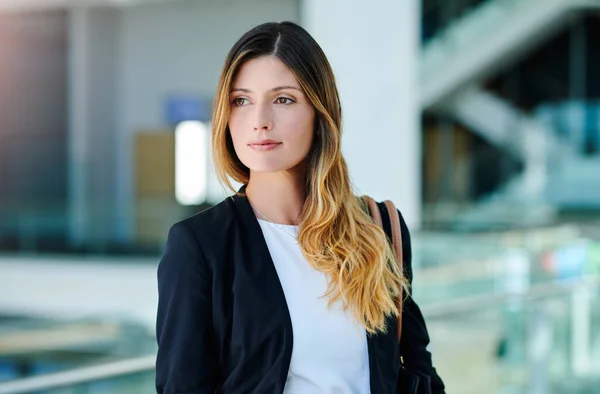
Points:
(336, 234)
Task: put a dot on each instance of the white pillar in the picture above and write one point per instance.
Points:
(373, 47)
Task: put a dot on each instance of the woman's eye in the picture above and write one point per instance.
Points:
(284, 100)
(239, 101)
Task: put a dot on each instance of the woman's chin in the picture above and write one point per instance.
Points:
(266, 168)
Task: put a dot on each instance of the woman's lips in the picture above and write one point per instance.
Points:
(265, 146)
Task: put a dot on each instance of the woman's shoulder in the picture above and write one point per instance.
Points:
(199, 237)
(212, 220)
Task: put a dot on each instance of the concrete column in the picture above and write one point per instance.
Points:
(78, 155)
(92, 82)
(373, 47)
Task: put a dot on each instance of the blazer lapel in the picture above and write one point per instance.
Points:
(261, 270)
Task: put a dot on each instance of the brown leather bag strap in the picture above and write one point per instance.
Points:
(374, 210)
(396, 230)
(396, 241)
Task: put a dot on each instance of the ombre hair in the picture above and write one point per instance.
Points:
(336, 234)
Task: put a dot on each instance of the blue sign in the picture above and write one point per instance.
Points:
(182, 108)
(570, 261)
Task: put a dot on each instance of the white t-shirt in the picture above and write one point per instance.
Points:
(330, 353)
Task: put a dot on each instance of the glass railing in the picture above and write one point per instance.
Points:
(477, 39)
(451, 266)
(129, 376)
(32, 347)
(142, 383)
(543, 341)
(493, 302)
(573, 121)
(463, 28)
(438, 15)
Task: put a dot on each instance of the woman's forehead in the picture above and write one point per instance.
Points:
(265, 73)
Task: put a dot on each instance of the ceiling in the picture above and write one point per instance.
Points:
(27, 5)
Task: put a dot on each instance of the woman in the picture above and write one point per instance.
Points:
(288, 286)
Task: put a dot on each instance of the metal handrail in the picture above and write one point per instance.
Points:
(479, 302)
(79, 375)
(147, 363)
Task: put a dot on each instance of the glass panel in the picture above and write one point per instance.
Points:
(32, 347)
(522, 346)
(139, 383)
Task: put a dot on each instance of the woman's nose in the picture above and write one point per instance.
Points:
(263, 118)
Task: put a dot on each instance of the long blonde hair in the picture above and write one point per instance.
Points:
(336, 234)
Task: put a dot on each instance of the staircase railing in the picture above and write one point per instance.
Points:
(486, 38)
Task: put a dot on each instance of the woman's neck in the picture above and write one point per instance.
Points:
(279, 197)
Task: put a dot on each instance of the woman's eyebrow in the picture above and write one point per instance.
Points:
(241, 90)
(276, 89)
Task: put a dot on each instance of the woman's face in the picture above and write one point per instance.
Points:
(271, 120)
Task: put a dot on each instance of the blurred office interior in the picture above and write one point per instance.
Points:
(479, 118)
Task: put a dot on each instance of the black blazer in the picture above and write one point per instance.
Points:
(223, 325)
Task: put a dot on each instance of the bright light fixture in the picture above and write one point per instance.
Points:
(191, 162)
